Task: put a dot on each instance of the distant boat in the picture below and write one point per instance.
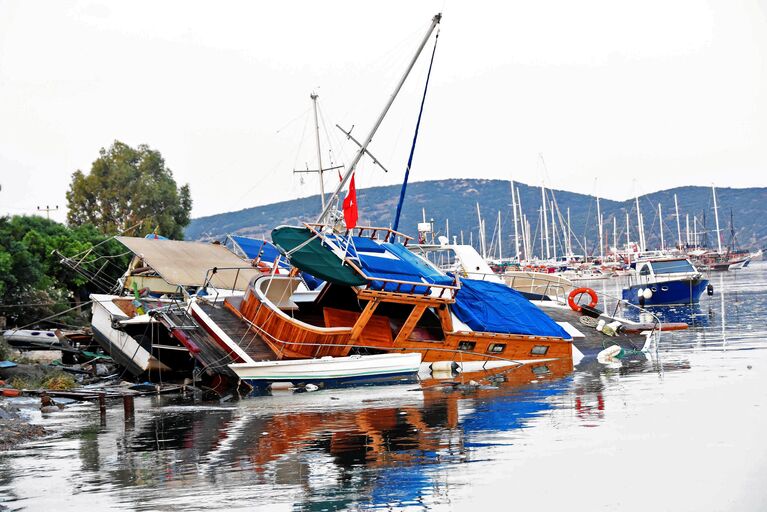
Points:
(664, 281)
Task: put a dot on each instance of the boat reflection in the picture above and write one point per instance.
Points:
(367, 446)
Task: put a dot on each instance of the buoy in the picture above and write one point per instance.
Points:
(609, 355)
(647, 294)
(600, 325)
(579, 291)
(281, 385)
(640, 292)
(443, 366)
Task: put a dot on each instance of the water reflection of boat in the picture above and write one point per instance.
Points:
(691, 314)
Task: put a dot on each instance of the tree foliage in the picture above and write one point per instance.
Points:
(129, 188)
(34, 283)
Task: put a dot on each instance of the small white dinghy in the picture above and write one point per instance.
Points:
(329, 370)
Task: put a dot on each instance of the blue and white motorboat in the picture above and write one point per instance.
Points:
(662, 281)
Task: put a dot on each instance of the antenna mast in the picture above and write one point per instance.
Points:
(325, 211)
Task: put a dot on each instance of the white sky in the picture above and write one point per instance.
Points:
(651, 94)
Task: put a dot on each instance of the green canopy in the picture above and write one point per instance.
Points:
(313, 257)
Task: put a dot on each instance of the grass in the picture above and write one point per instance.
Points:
(57, 381)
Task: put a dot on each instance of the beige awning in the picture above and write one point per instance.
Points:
(188, 263)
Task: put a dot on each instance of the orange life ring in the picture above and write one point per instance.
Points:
(579, 291)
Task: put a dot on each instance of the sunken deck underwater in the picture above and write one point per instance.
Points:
(226, 317)
(369, 321)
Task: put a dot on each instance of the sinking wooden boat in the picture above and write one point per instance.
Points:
(330, 370)
(378, 297)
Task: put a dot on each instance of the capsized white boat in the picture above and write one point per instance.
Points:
(329, 370)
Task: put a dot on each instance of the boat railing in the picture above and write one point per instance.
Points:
(389, 235)
(213, 271)
(535, 285)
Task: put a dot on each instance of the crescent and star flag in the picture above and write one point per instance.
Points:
(350, 206)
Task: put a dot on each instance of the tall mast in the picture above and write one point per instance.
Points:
(481, 233)
(514, 209)
(687, 227)
(695, 231)
(569, 238)
(553, 230)
(525, 229)
(325, 211)
(639, 226)
(678, 229)
(314, 97)
(527, 235)
(615, 232)
(500, 238)
(542, 224)
(545, 230)
(716, 218)
(601, 235)
(660, 222)
(628, 231)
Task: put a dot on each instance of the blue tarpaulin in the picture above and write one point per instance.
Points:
(253, 246)
(494, 307)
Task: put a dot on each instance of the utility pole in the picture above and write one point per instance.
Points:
(47, 210)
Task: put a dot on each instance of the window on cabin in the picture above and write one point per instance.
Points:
(540, 350)
(672, 266)
(467, 345)
(496, 348)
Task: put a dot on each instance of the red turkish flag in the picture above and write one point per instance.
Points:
(350, 206)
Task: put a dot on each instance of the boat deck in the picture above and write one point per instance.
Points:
(239, 331)
(210, 354)
(593, 341)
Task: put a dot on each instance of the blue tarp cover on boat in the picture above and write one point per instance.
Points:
(252, 246)
(393, 261)
(494, 307)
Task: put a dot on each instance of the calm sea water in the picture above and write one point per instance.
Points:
(683, 429)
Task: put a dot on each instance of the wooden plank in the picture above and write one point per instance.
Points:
(410, 323)
(363, 319)
(377, 331)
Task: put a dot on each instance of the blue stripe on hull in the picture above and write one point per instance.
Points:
(339, 381)
(670, 292)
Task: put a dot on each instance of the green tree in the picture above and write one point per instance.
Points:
(33, 281)
(129, 188)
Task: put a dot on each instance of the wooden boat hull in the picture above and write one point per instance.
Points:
(292, 339)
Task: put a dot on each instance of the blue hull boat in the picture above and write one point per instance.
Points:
(685, 291)
(663, 281)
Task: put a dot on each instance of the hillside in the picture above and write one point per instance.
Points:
(456, 200)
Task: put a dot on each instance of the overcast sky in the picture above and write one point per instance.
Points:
(640, 95)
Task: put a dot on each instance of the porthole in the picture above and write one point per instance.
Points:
(541, 369)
